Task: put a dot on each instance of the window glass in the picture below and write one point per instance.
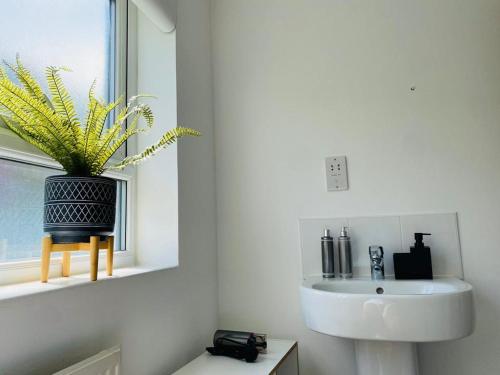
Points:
(78, 34)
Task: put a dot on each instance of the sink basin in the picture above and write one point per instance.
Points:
(391, 310)
(387, 317)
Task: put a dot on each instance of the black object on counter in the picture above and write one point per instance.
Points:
(417, 264)
(236, 344)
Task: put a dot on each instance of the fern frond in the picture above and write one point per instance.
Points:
(112, 140)
(107, 110)
(32, 139)
(22, 104)
(94, 112)
(98, 114)
(147, 114)
(28, 125)
(14, 98)
(27, 80)
(27, 102)
(63, 104)
(52, 124)
(167, 139)
(37, 141)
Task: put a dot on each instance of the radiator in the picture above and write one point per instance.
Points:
(106, 362)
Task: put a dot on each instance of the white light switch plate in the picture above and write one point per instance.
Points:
(336, 173)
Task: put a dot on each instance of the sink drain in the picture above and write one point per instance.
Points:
(380, 290)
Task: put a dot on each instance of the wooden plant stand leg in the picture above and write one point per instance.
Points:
(46, 248)
(66, 264)
(109, 256)
(94, 257)
(92, 247)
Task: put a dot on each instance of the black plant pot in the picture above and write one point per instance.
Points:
(76, 208)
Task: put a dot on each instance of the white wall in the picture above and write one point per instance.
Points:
(162, 319)
(298, 80)
(156, 180)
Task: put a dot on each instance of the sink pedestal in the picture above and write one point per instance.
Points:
(386, 358)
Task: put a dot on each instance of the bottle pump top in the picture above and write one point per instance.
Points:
(327, 232)
(343, 232)
(419, 239)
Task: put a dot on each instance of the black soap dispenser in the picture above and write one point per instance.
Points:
(417, 264)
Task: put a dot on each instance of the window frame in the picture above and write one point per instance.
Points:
(13, 148)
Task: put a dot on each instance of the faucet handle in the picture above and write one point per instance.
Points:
(377, 262)
(376, 252)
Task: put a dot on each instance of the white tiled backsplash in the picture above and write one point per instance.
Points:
(393, 233)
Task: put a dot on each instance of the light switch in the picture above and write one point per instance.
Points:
(336, 173)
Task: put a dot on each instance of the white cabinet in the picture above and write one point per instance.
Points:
(290, 364)
(281, 359)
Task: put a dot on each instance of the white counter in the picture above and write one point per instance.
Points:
(280, 359)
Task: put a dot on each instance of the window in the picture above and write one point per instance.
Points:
(87, 36)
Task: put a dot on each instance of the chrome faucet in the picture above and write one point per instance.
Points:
(377, 262)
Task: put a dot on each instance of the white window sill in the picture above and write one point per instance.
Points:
(12, 291)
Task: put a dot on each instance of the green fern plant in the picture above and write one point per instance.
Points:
(51, 124)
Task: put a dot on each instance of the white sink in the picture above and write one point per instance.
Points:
(387, 317)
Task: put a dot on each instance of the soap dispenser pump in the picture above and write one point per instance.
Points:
(419, 243)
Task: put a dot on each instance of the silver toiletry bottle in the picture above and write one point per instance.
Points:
(345, 256)
(327, 255)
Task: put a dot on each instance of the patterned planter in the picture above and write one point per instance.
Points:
(76, 208)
